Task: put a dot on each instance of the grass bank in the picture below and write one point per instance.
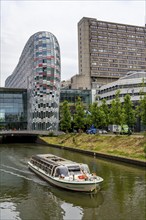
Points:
(117, 145)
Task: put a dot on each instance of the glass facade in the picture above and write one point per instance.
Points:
(13, 109)
(71, 96)
(38, 71)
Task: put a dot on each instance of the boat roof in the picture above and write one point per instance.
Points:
(54, 160)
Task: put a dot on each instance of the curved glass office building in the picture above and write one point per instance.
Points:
(38, 70)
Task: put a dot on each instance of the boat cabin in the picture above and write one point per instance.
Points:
(58, 167)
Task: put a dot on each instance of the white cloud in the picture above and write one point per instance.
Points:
(21, 19)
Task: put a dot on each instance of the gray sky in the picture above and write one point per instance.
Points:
(20, 19)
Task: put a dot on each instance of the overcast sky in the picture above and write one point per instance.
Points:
(20, 19)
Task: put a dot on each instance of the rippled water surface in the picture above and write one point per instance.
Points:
(24, 196)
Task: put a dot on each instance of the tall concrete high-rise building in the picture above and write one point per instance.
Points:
(107, 51)
(38, 70)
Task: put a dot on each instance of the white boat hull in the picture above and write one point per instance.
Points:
(75, 185)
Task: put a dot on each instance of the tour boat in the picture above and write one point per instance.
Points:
(64, 173)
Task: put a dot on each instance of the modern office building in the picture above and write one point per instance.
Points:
(107, 51)
(133, 84)
(13, 109)
(38, 71)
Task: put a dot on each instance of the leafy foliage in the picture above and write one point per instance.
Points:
(129, 111)
(79, 116)
(65, 122)
(116, 110)
(143, 109)
(95, 117)
(104, 113)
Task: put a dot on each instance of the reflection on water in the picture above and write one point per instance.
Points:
(23, 195)
(85, 200)
(8, 211)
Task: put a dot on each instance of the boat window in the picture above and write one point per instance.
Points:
(61, 171)
(74, 169)
(53, 170)
(85, 168)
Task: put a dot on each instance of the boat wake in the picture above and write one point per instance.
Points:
(18, 162)
(15, 174)
(13, 168)
(14, 171)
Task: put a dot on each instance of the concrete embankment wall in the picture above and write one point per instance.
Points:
(96, 154)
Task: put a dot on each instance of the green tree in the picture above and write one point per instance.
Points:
(104, 113)
(143, 109)
(129, 111)
(65, 122)
(123, 116)
(79, 116)
(88, 121)
(116, 110)
(95, 117)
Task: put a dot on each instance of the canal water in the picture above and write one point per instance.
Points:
(24, 196)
